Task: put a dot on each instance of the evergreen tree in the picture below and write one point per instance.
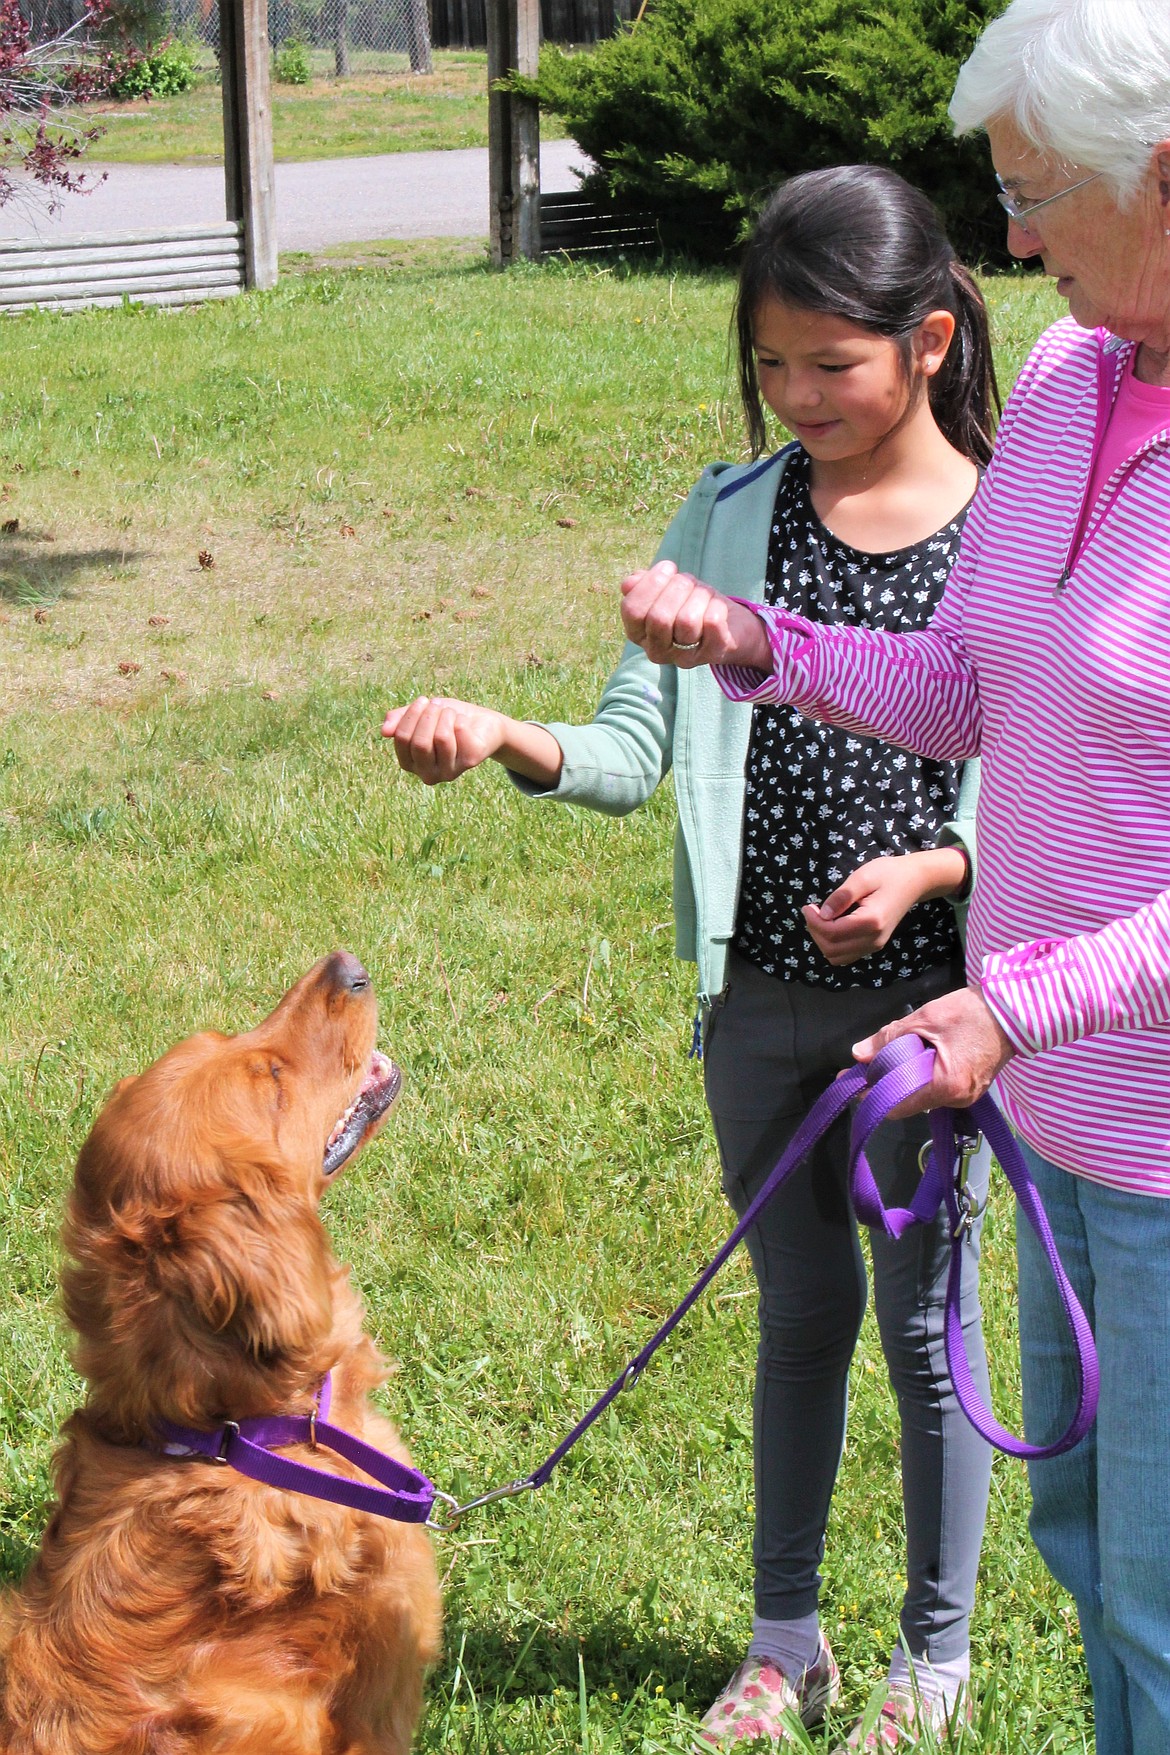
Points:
(698, 110)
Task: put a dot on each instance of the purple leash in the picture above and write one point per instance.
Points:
(902, 1068)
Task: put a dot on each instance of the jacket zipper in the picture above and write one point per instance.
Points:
(1091, 517)
(1088, 529)
(704, 1006)
(682, 712)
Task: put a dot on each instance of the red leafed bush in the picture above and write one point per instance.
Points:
(40, 83)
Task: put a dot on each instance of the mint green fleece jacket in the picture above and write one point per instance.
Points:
(651, 718)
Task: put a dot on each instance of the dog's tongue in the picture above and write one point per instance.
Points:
(382, 1084)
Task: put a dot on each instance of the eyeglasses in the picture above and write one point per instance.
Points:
(1019, 215)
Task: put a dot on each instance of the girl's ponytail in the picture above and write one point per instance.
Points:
(964, 394)
(859, 242)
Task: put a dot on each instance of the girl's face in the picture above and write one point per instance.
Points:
(838, 388)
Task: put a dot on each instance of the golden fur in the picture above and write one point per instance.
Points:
(177, 1608)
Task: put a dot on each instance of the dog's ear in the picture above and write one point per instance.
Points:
(251, 1272)
(199, 1304)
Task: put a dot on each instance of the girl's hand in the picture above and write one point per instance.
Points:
(860, 916)
(678, 620)
(970, 1048)
(437, 739)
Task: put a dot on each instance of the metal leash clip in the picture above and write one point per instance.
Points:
(969, 1207)
(457, 1512)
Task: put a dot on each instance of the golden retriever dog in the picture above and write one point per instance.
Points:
(176, 1607)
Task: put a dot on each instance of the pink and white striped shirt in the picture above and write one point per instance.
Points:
(1054, 666)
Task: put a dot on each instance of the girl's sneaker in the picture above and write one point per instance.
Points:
(901, 1721)
(755, 1700)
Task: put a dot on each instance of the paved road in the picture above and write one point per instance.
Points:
(324, 202)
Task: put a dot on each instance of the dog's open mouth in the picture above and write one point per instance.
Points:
(382, 1084)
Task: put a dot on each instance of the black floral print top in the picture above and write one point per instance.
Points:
(820, 801)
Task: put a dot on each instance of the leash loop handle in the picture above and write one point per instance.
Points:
(944, 1182)
(986, 1116)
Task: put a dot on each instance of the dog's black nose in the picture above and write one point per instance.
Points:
(348, 973)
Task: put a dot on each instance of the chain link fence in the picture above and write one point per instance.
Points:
(51, 18)
(341, 38)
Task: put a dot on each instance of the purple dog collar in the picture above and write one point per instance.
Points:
(251, 1448)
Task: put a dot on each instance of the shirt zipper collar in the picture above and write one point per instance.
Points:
(1093, 514)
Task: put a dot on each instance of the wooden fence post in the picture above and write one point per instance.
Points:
(513, 33)
(247, 134)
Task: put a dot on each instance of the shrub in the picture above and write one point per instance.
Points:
(701, 108)
(164, 71)
(291, 63)
(40, 80)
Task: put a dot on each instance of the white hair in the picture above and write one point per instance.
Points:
(1085, 80)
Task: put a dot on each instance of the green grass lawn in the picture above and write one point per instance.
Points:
(403, 481)
(329, 118)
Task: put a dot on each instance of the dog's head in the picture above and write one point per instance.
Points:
(199, 1280)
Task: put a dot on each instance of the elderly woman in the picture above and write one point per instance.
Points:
(1048, 657)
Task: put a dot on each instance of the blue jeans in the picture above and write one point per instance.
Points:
(1101, 1514)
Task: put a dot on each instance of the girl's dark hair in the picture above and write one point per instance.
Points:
(857, 241)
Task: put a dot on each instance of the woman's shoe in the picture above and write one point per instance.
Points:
(755, 1700)
(900, 1723)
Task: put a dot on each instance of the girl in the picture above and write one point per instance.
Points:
(865, 337)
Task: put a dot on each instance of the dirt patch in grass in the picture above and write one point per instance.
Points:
(114, 625)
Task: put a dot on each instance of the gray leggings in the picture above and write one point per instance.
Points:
(772, 1047)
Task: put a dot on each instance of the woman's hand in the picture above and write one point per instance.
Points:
(970, 1048)
(860, 916)
(678, 620)
(437, 738)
